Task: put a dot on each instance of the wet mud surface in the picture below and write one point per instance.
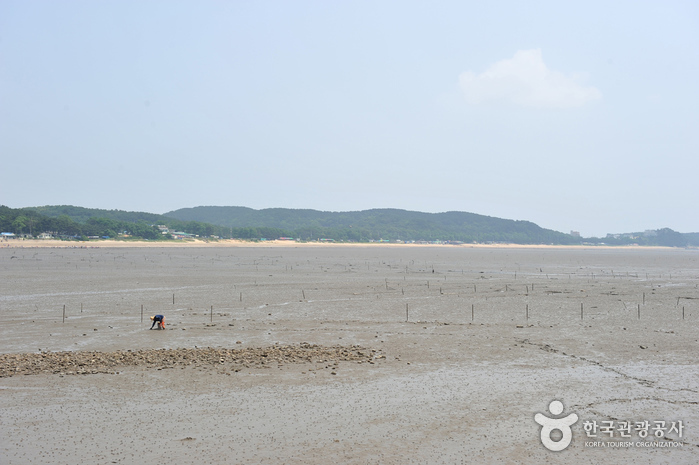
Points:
(343, 354)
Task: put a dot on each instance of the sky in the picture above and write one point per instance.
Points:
(573, 115)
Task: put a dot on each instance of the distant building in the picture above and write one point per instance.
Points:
(181, 235)
(575, 233)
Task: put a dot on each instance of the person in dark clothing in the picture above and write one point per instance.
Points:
(159, 320)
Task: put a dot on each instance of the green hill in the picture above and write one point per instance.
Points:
(271, 223)
(67, 220)
(82, 214)
(376, 224)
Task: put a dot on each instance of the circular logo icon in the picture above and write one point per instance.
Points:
(549, 425)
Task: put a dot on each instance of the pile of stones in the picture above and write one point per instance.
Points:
(83, 362)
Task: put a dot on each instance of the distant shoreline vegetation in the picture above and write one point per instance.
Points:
(378, 225)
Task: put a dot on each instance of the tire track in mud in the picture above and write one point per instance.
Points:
(644, 382)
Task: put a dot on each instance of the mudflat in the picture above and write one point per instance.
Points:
(347, 354)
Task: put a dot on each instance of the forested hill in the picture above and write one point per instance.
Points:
(389, 224)
(82, 214)
(361, 226)
(67, 221)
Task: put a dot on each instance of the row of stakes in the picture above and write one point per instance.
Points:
(526, 312)
(407, 309)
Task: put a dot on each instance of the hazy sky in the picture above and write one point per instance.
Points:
(574, 115)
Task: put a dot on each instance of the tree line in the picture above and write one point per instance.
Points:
(309, 225)
(70, 222)
(377, 224)
(28, 222)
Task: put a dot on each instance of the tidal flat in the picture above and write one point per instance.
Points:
(460, 348)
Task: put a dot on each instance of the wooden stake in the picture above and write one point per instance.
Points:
(471, 312)
(212, 314)
(527, 312)
(141, 313)
(581, 311)
(683, 312)
(303, 293)
(81, 307)
(639, 311)
(241, 296)
(173, 299)
(64, 313)
(407, 315)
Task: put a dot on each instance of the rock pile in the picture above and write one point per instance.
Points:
(108, 362)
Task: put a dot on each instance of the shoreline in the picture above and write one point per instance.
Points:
(228, 243)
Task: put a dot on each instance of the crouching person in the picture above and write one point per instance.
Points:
(159, 320)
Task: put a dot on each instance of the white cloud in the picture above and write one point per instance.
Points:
(526, 80)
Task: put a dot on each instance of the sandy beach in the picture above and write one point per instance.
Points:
(461, 347)
(223, 243)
